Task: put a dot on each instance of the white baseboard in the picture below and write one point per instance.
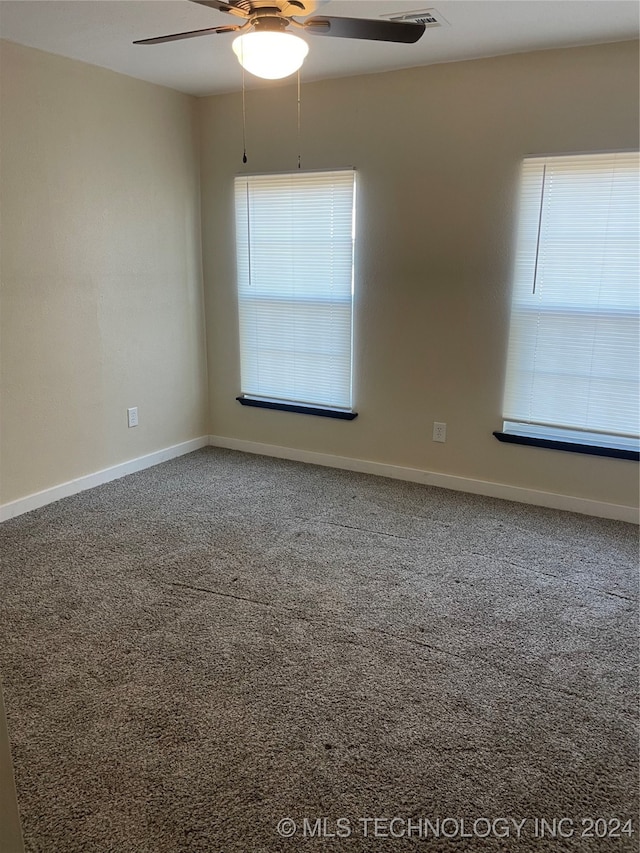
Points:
(444, 481)
(72, 487)
(363, 466)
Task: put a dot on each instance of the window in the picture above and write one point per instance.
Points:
(573, 359)
(294, 240)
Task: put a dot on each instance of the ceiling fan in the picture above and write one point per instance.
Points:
(264, 46)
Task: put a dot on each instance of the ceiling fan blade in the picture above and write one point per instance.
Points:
(189, 35)
(299, 8)
(362, 28)
(224, 7)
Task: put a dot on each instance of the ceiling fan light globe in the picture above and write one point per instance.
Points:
(271, 55)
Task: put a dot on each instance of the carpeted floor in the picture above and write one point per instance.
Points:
(198, 651)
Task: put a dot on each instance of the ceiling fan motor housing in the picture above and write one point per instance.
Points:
(289, 8)
(268, 20)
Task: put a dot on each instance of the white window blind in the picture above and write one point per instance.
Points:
(294, 238)
(573, 359)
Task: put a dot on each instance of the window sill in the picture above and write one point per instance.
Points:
(570, 446)
(298, 408)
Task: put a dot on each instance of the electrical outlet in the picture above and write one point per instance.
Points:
(439, 431)
(132, 416)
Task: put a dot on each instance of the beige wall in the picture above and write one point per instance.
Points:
(101, 270)
(101, 295)
(437, 151)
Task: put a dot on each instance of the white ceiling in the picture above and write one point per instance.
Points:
(100, 32)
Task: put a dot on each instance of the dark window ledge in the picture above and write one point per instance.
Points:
(298, 408)
(572, 447)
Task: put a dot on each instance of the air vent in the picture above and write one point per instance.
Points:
(428, 17)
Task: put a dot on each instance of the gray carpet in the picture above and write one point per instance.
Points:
(199, 650)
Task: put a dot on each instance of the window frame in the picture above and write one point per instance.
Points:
(250, 395)
(535, 431)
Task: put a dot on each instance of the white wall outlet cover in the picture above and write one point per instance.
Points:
(439, 431)
(132, 416)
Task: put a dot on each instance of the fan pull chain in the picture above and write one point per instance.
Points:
(298, 118)
(244, 123)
